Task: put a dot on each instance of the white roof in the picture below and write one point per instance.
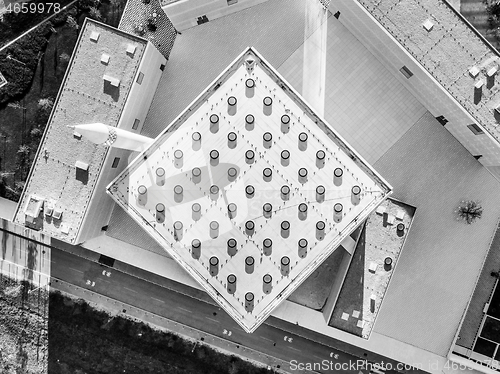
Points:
(139, 190)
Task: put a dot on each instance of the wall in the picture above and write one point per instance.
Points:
(137, 106)
(422, 85)
(337, 284)
(141, 95)
(184, 13)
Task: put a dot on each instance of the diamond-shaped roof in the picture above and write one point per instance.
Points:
(240, 190)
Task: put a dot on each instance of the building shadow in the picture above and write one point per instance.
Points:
(351, 296)
(5, 236)
(478, 94)
(82, 175)
(111, 90)
(31, 262)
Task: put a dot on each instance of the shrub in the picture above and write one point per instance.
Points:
(85, 5)
(64, 57)
(139, 29)
(46, 104)
(152, 24)
(469, 211)
(71, 21)
(95, 13)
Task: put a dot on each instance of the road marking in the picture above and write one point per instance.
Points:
(295, 349)
(269, 340)
(161, 301)
(211, 319)
(130, 289)
(76, 270)
(319, 358)
(186, 310)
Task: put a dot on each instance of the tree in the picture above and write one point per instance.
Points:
(72, 23)
(95, 13)
(46, 104)
(64, 57)
(469, 211)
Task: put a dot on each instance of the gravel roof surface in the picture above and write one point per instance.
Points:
(83, 98)
(447, 52)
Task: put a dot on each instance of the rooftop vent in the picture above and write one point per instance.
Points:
(250, 63)
(428, 25)
(34, 206)
(474, 71)
(94, 36)
(57, 214)
(49, 211)
(131, 49)
(105, 58)
(82, 165)
(112, 81)
(64, 229)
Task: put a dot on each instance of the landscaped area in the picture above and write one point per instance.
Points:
(23, 327)
(42, 332)
(34, 67)
(16, 20)
(375, 257)
(484, 16)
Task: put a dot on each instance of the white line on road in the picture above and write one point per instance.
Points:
(269, 340)
(130, 289)
(186, 310)
(161, 301)
(295, 349)
(76, 270)
(319, 358)
(211, 319)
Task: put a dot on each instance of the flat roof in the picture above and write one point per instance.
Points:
(240, 190)
(84, 97)
(447, 52)
(442, 257)
(368, 277)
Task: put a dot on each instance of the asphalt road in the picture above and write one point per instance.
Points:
(202, 315)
